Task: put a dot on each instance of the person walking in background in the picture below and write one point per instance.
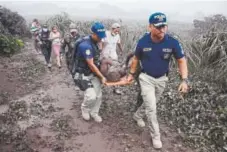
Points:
(35, 27)
(110, 43)
(154, 51)
(69, 38)
(109, 46)
(55, 38)
(69, 43)
(45, 43)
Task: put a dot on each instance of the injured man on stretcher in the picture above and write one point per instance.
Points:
(115, 72)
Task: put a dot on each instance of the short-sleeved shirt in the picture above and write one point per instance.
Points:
(155, 57)
(110, 45)
(86, 51)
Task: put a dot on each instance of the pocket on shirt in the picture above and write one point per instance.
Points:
(166, 56)
(147, 55)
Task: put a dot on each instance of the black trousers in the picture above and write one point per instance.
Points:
(139, 96)
(46, 51)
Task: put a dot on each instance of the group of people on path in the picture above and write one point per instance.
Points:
(92, 64)
(50, 42)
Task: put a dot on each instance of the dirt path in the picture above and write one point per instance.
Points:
(43, 114)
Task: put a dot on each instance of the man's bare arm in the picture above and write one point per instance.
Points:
(135, 62)
(182, 64)
(94, 68)
(120, 47)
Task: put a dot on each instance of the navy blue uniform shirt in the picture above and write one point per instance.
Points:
(86, 51)
(155, 57)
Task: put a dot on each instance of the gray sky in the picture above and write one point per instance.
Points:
(125, 9)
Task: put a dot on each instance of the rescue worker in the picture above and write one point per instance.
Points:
(87, 75)
(154, 51)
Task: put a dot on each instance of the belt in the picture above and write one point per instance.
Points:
(156, 77)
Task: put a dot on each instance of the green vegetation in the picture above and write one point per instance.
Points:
(12, 29)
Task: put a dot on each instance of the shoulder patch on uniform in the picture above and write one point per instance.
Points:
(182, 49)
(88, 52)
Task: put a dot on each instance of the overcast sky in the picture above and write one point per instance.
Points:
(130, 9)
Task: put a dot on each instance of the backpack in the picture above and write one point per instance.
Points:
(71, 56)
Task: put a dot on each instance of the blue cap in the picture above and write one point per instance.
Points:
(99, 30)
(158, 19)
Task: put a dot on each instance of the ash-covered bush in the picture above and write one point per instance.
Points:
(12, 28)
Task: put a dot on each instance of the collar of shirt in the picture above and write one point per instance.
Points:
(150, 40)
